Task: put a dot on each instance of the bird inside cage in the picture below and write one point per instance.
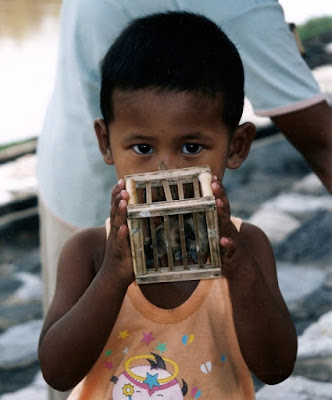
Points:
(196, 248)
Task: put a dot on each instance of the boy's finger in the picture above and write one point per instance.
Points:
(123, 195)
(226, 227)
(120, 231)
(114, 207)
(119, 239)
(220, 193)
(222, 204)
(117, 189)
(228, 248)
(120, 214)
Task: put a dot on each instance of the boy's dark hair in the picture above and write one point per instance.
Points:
(177, 51)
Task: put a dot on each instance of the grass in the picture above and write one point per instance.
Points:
(13, 144)
(315, 27)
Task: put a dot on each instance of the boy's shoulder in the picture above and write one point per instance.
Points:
(92, 236)
(89, 243)
(260, 248)
(254, 236)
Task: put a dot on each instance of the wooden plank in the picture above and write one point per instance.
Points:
(148, 193)
(205, 180)
(154, 244)
(216, 222)
(161, 166)
(196, 188)
(168, 242)
(213, 235)
(172, 276)
(170, 208)
(135, 233)
(183, 241)
(137, 246)
(131, 189)
(167, 191)
(171, 175)
(180, 189)
(198, 241)
(181, 227)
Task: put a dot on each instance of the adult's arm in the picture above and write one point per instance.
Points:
(310, 131)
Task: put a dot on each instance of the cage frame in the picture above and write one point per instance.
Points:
(200, 178)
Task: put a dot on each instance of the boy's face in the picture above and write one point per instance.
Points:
(179, 129)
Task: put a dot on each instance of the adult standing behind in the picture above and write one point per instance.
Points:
(278, 83)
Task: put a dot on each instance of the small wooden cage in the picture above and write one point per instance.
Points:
(173, 225)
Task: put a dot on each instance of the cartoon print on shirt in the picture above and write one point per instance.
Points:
(188, 339)
(147, 338)
(150, 379)
(195, 392)
(206, 367)
(152, 376)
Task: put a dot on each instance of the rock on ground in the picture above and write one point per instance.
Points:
(316, 340)
(311, 242)
(36, 391)
(298, 281)
(277, 225)
(296, 388)
(18, 345)
(314, 359)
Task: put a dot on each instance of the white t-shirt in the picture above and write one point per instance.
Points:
(75, 184)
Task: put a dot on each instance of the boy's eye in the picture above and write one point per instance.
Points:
(143, 149)
(191, 148)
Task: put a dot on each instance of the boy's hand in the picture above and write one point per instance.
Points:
(233, 249)
(117, 252)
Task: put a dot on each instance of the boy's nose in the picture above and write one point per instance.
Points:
(168, 162)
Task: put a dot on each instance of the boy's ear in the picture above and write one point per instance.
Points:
(103, 141)
(240, 144)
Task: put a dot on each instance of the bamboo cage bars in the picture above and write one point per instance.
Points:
(173, 225)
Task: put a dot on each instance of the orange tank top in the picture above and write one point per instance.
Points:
(190, 352)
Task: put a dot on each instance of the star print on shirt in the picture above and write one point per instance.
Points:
(151, 380)
(123, 334)
(108, 364)
(161, 347)
(148, 338)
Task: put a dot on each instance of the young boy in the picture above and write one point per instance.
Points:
(172, 92)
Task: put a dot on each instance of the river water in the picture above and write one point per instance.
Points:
(28, 53)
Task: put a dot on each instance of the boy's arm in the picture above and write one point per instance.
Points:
(90, 289)
(265, 330)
